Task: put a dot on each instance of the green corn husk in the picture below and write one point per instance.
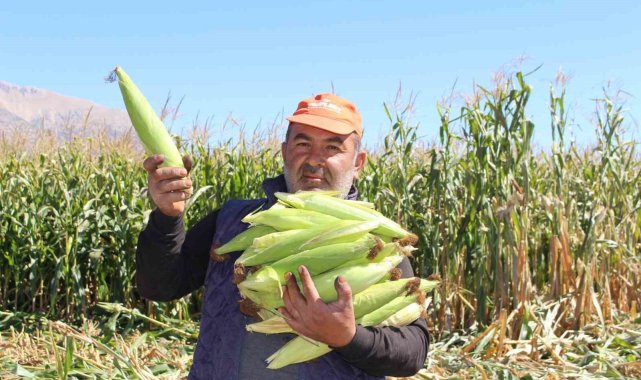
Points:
(389, 249)
(380, 294)
(382, 313)
(244, 240)
(405, 316)
(365, 302)
(341, 231)
(302, 349)
(359, 277)
(263, 289)
(341, 234)
(264, 286)
(261, 244)
(333, 193)
(415, 292)
(149, 127)
(273, 325)
(343, 210)
(327, 257)
(283, 219)
(297, 350)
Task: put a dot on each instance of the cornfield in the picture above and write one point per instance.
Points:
(537, 251)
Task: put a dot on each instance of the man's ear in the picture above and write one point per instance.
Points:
(283, 150)
(361, 158)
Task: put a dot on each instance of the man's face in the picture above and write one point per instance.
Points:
(316, 159)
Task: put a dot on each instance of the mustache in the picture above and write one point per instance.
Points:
(315, 170)
(307, 168)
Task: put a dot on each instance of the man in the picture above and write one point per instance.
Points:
(321, 151)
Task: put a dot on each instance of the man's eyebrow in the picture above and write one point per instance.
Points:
(301, 136)
(335, 139)
(306, 137)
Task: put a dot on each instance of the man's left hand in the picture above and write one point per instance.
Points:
(330, 323)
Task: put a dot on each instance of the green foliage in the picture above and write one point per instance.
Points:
(495, 221)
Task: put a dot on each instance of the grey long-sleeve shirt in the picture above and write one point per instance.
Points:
(172, 263)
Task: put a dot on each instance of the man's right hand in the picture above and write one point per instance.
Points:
(169, 188)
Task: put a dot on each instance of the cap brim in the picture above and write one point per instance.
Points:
(335, 126)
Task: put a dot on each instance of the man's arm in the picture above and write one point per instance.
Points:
(169, 263)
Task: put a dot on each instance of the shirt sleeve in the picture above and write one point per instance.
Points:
(389, 350)
(171, 263)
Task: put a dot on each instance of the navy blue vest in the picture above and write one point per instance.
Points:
(222, 328)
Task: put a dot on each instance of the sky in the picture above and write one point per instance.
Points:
(254, 60)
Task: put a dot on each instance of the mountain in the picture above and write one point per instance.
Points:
(28, 110)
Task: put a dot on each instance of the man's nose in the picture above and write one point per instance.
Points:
(316, 157)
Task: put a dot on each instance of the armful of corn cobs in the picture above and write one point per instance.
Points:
(331, 237)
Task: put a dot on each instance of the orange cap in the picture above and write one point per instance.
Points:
(329, 112)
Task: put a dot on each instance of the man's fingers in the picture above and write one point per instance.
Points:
(344, 291)
(176, 196)
(311, 294)
(151, 163)
(163, 174)
(294, 294)
(169, 186)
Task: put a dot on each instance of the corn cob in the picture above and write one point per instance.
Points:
(359, 277)
(322, 259)
(332, 193)
(297, 350)
(342, 234)
(331, 237)
(149, 127)
(263, 288)
(339, 232)
(343, 210)
(291, 353)
(398, 303)
(405, 316)
(244, 240)
(284, 219)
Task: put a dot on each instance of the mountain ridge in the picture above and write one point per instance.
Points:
(28, 109)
